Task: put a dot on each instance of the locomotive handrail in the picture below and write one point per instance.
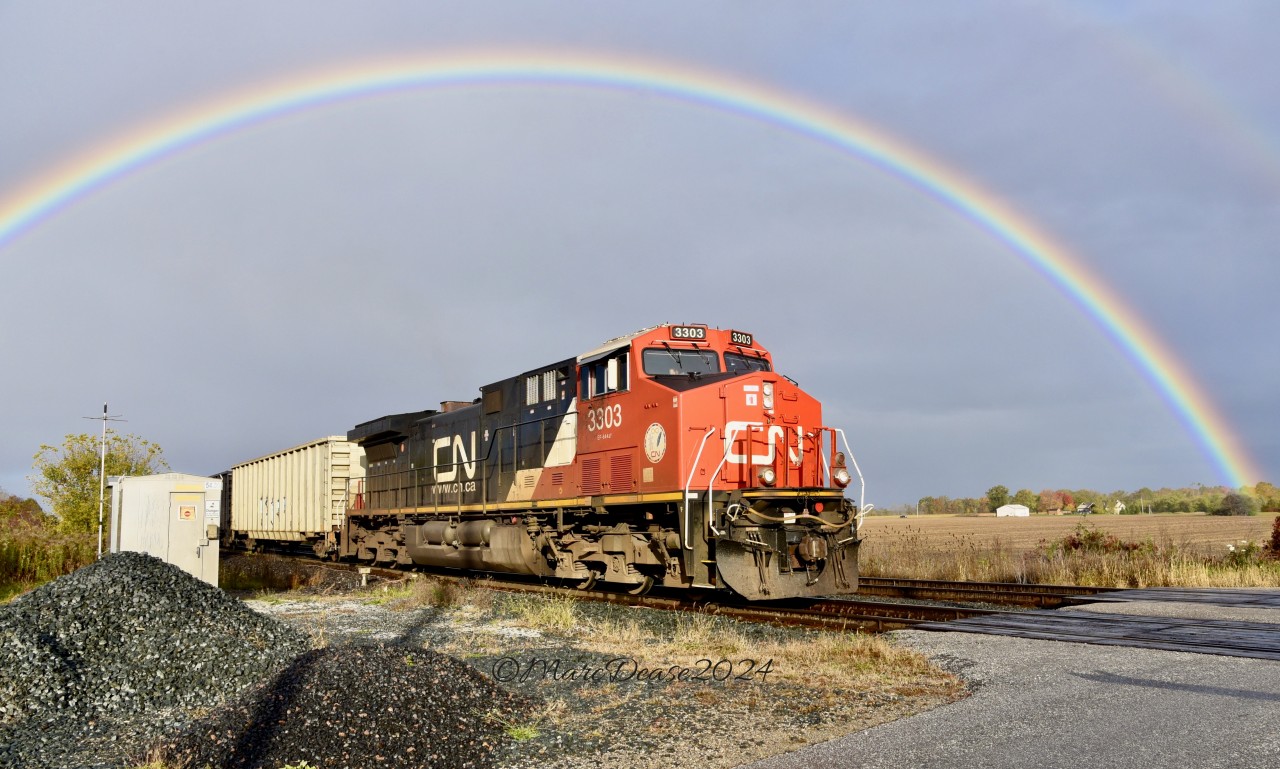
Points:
(826, 468)
(689, 483)
(728, 448)
(862, 495)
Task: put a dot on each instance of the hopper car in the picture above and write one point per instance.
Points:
(673, 456)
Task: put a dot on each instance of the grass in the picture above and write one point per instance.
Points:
(31, 555)
(826, 659)
(419, 591)
(554, 613)
(1161, 551)
(517, 732)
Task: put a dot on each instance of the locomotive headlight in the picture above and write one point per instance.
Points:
(767, 476)
(841, 477)
(768, 395)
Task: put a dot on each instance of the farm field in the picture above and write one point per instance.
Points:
(1179, 549)
(1207, 532)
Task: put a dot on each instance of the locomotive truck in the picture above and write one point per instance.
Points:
(673, 456)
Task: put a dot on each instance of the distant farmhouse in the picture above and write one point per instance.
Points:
(1014, 511)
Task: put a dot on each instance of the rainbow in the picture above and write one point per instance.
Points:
(110, 161)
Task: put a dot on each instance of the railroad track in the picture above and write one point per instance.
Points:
(1002, 593)
(1259, 640)
(832, 613)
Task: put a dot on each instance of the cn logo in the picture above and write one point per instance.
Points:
(773, 436)
(448, 470)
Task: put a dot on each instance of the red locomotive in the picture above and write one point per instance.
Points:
(674, 456)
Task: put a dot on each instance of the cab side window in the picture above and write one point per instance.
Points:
(603, 376)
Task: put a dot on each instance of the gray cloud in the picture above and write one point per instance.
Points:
(295, 278)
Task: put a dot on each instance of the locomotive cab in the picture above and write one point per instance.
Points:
(761, 506)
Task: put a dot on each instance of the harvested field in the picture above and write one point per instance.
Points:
(1176, 550)
(1210, 532)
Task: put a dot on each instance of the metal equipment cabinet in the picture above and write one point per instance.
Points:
(172, 516)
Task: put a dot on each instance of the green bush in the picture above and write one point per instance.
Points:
(1237, 504)
(1247, 553)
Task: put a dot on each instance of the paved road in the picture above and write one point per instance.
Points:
(1052, 704)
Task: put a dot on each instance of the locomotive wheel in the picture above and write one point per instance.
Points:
(587, 582)
(645, 586)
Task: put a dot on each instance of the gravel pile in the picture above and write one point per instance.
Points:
(358, 706)
(94, 661)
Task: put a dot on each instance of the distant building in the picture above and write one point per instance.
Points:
(1016, 511)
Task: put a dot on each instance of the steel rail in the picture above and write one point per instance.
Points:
(831, 613)
(1224, 637)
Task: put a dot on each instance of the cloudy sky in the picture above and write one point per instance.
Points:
(287, 280)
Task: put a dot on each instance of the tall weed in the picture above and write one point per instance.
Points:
(31, 555)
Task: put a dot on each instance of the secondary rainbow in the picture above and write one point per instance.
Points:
(108, 162)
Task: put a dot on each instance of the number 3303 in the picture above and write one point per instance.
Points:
(604, 418)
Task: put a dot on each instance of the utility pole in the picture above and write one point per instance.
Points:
(102, 468)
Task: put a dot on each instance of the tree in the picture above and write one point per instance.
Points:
(68, 476)
(1237, 504)
(1088, 495)
(15, 511)
(1028, 498)
(1268, 496)
(997, 497)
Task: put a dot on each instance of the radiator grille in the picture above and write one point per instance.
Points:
(620, 473)
(591, 476)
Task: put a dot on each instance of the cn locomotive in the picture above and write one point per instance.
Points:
(674, 456)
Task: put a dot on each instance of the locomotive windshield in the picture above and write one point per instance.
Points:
(674, 362)
(737, 363)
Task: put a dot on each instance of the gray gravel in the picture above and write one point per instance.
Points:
(130, 659)
(94, 664)
(1052, 704)
(357, 706)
